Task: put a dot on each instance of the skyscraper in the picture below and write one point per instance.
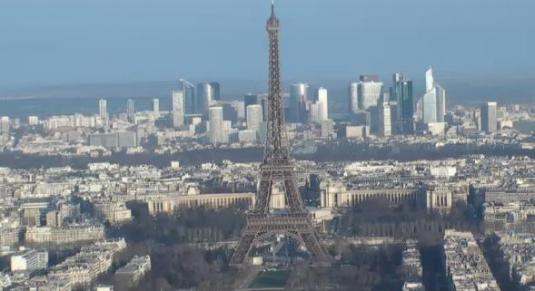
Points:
(177, 108)
(254, 116)
(441, 102)
(5, 124)
(353, 97)
(130, 111)
(216, 91)
(205, 96)
(323, 100)
(249, 99)
(215, 119)
(298, 99)
(239, 108)
(489, 122)
(156, 107)
(318, 111)
(314, 112)
(429, 100)
(103, 109)
(402, 93)
(190, 103)
(369, 90)
(385, 116)
(434, 100)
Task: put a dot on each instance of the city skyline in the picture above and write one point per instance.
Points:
(388, 184)
(124, 33)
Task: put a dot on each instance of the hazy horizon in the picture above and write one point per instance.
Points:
(61, 42)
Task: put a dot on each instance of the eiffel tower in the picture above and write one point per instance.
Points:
(277, 167)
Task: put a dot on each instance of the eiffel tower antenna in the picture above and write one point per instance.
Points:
(277, 166)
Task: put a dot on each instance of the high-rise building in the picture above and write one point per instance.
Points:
(385, 117)
(103, 109)
(298, 100)
(130, 111)
(205, 96)
(254, 116)
(190, 103)
(433, 103)
(402, 93)
(177, 108)
(368, 91)
(4, 124)
(353, 97)
(216, 90)
(489, 122)
(429, 100)
(318, 111)
(314, 112)
(225, 133)
(441, 102)
(323, 100)
(239, 108)
(33, 120)
(229, 112)
(265, 107)
(156, 107)
(216, 130)
(249, 99)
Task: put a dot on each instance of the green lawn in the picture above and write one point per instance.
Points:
(270, 279)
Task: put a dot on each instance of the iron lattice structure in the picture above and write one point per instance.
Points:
(277, 167)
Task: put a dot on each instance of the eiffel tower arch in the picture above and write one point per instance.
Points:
(277, 167)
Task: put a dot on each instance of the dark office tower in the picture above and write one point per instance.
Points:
(190, 104)
(216, 90)
(277, 168)
(229, 112)
(130, 111)
(402, 93)
(250, 99)
(489, 122)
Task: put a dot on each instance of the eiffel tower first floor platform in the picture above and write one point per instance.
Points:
(262, 227)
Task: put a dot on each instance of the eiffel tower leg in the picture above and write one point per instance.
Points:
(243, 249)
(263, 198)
(313, 246)
(295, 202)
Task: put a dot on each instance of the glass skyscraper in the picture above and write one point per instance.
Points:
(433, 101)
(429, 100)
(489, 121)
(402, 93)
(298, 99)
(206, 96)
(190, 104)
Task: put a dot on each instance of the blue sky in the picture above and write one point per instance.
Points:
(74, 41)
